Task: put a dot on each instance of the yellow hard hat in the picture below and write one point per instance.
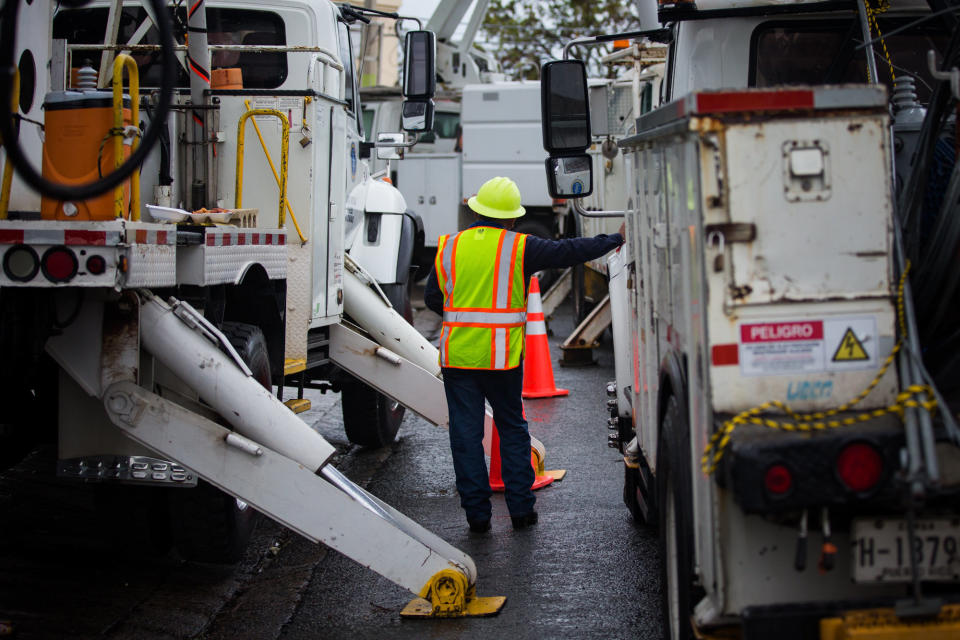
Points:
(498, 198)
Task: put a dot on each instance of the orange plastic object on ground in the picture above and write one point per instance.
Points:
(537, 369)
(496, 476)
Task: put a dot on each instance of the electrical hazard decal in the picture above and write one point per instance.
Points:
(850, 348)
(790, 347)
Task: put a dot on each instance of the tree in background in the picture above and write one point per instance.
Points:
(523, 34)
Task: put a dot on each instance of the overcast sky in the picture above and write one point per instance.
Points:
(418, 8)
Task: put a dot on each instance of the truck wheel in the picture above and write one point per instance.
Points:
(371, 419)
(675, 497)
(210, 525)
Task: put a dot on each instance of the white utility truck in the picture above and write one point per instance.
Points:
(152, 346)
(784, 315)
(485, 126)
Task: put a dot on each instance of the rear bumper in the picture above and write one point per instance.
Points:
(842, 621)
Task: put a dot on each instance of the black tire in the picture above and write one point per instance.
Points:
(633, 493)
(371, 419)
(674, 500)
(536, 227)
(210, 525)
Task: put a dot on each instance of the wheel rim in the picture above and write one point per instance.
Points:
(672, 586)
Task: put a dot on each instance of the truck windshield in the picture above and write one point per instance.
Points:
(224, 26)
(446, 126)
(816, 53)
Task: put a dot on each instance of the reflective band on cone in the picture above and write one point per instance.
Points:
(537, 370)
(496, 479)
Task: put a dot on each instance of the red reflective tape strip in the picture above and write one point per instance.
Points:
(281, 239)
(141, 236)
(211, 240)
(79, 236)
(728, 101)
(11, 236)
(724, 354)
(241, 239)
(256, 238)
(200, 71)
(161, 237)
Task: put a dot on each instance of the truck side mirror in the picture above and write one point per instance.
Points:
(565, 111)
(565, 107)
(390, 153)
(569, 176)
(419, 81)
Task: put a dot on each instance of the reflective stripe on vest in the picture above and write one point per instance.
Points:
(480, 273)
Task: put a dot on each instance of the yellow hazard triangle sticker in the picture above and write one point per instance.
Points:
(850, 348)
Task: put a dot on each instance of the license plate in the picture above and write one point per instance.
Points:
(881, 549)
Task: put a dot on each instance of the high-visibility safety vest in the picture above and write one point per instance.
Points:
(480, 272)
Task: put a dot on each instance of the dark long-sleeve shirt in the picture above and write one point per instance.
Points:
(539, 254)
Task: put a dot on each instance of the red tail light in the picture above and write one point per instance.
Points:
(859, 466)
(778, 480)
(59, 264)
(96, 265)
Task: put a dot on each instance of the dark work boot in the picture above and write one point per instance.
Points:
(524, 521)
(479, 526)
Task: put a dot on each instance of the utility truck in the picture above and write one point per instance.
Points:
(784, 315)
(159, 277)
(485, 126)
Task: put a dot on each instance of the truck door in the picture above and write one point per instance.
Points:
(353, 123)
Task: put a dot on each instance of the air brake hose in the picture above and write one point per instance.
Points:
(8, 29)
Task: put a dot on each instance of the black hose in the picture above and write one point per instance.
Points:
(8, 32)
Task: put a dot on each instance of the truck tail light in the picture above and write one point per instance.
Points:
(59, 264)
(20, 263)
(96, 265)
(778, 480)
(859, 466)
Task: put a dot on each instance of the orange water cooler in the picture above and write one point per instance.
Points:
(77, 128)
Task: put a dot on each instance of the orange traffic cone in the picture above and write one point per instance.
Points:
(537, 370)
(496, 479)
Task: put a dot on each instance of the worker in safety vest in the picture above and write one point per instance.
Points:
(479, 285)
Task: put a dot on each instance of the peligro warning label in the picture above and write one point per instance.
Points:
(808, 346)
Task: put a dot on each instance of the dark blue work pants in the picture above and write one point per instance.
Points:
(466, 390)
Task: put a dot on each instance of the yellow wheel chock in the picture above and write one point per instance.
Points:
(448, 595)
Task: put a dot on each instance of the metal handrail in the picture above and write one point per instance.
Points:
(133, 78)
(284, 159)
(259, 48)
(266, 152)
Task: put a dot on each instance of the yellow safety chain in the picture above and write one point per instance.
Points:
(817, 421)
(882, 6)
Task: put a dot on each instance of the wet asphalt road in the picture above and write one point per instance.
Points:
(585, 571)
